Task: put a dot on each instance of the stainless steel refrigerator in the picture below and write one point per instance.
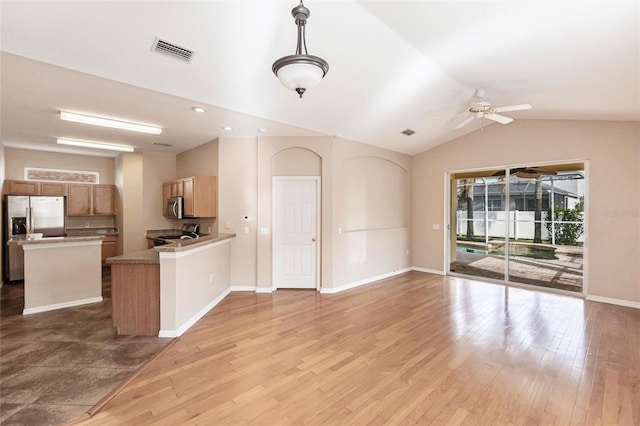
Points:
(30, 214)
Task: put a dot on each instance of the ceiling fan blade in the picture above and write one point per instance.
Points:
(512, 108)
(499, 118)
(465, 122)
(542, 171)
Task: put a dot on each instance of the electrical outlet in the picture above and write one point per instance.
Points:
(211, 277)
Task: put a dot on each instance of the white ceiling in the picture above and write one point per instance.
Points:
(393, 65)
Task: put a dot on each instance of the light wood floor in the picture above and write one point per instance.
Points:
(416, 348)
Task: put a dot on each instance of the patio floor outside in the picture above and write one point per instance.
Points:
(565, 272)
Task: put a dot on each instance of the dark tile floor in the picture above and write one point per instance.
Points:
(55, 366)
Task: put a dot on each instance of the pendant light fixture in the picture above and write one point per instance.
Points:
(300, 71)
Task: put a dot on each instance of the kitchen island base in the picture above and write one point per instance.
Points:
(61, 272)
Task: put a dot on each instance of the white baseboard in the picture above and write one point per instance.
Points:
(243, 288)
(191, 321)
(363, 282)
(37, 310)
(619, 302)
(427, 270)
(265, 289)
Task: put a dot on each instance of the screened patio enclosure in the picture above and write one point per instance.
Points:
(524, 225)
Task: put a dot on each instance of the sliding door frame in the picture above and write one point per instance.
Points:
(451, 224)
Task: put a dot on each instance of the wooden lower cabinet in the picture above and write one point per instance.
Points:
(135, 298)
(109, 248)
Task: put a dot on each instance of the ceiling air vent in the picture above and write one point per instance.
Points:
(173, 50)
(407, 132)
(162, 144)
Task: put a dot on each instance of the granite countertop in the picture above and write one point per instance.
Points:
(149, 256)
(91, 231)
(22, 240)
(152, 255)
(184, 245)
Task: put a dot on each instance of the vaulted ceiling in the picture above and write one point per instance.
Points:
(394, 65)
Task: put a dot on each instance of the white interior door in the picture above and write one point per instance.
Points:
(295, 232)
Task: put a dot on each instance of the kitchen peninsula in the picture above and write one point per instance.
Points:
(164, 290)
(60, 272)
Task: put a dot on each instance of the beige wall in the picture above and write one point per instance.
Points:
(237, 197)
(157, 168)
(18, 159)
(130, 217)
(371, 206)
(373, 250)
(199, 161)
(612, 153)
(296, 162)
(139, 178)
(267, 149)
(191, 283)
(2, 218)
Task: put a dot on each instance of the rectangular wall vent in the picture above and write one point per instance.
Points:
(173, 50)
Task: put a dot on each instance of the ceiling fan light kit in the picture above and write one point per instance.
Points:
(300, 71)
(483, 109)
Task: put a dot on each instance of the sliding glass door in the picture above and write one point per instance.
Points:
(521, 225)
(479, 233)
(546, 228)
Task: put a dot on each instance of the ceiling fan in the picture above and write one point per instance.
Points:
(483, 109)
(527, 172)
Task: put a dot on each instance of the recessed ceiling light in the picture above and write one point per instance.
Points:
(262, 130)
(109, 122)
(99, 145)
(198, 109)
(227, 128)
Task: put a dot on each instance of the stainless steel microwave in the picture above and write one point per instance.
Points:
(175, 207)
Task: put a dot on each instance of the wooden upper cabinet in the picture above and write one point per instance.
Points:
(26, 187)
(104, 199)
(177, 188)
(87, 200)
(53, 188)
(22, 187)
(79, 199)
(166, 194)
(189, 205)
(200, 196)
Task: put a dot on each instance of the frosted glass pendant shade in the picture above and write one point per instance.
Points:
(300, 72)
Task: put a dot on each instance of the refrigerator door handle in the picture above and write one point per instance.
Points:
(29, 221)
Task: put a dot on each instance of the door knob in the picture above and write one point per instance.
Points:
(313, 239)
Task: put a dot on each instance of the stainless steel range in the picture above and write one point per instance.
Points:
(190, 231)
